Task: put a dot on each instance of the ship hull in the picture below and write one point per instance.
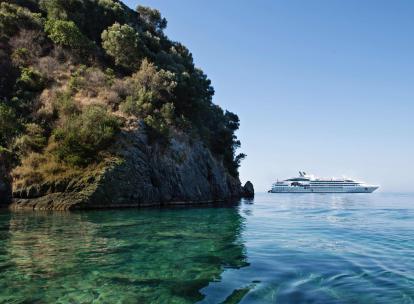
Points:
(368, 189)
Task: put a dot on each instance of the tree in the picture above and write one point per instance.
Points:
(152, 19)
(152, 88)
(123, 44)
(66, 33)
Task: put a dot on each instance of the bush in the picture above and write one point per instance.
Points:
(139, 105)
(80, 139)
(9, 126)
(65, 106)
(157, 129)
(30, 80)
(123, 44)
(33, 140)
(21, 57)
(14, 17)
(31, 40)
(152, 89)
(66, 33)
(89, 80)
(122, 88)
(159, 123)
(77, 79)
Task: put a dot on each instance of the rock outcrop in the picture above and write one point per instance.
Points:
(248, 190)
(142, 175)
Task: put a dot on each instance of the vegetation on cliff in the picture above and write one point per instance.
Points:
(74, 71)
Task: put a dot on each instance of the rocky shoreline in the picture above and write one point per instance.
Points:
(143, 175)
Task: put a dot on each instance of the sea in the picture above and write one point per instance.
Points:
(275, 248)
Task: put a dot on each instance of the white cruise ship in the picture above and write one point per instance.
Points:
(305, 183)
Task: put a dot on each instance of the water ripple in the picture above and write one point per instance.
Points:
(275, 249)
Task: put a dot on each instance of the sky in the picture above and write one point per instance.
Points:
(321, 86)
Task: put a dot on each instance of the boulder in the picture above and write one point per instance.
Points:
(248, 190)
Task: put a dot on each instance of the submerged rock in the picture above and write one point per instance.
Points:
(248, 190)
(143, 175)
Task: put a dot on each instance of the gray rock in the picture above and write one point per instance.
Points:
(145, 175)
(248, 190)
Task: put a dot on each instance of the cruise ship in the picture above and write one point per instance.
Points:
(305, 183)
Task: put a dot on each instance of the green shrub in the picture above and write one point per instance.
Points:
(64, 105)
(80, 139)
(9, 125)
(66, 33)
(21, 57)
(30, 80)
(33, 139)
(157, 129)
(14, 17)
(77, 79)
(123, 44)
(152, 90)
(110, 76)
(140, 105)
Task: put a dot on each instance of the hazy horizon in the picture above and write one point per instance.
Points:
(324, 87)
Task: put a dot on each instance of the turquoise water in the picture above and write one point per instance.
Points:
(279, 248)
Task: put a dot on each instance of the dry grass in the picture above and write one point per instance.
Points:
(38, 168)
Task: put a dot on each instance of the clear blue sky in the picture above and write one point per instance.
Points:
(323, 86)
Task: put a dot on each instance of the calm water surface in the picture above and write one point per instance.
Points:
(279, 248)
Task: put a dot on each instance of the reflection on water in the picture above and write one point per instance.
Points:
(310, 248)
(144, 256)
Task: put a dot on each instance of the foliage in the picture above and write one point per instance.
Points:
(84, 135)
(66, 33)
(14, 17)
(30, 80)
(111, 5)
(152, 89)
(132, 66)
(123, 44)
(33, 139)
(8, 124)
(65, 105)
(91, 16)
(152, 19)
(77, 79)
(26, 88)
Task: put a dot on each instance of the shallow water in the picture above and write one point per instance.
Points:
(279, 248)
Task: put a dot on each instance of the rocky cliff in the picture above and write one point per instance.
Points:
(141, 175)
(5, 183)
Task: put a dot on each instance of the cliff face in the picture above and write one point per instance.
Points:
(5, 183)
(143, 175)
